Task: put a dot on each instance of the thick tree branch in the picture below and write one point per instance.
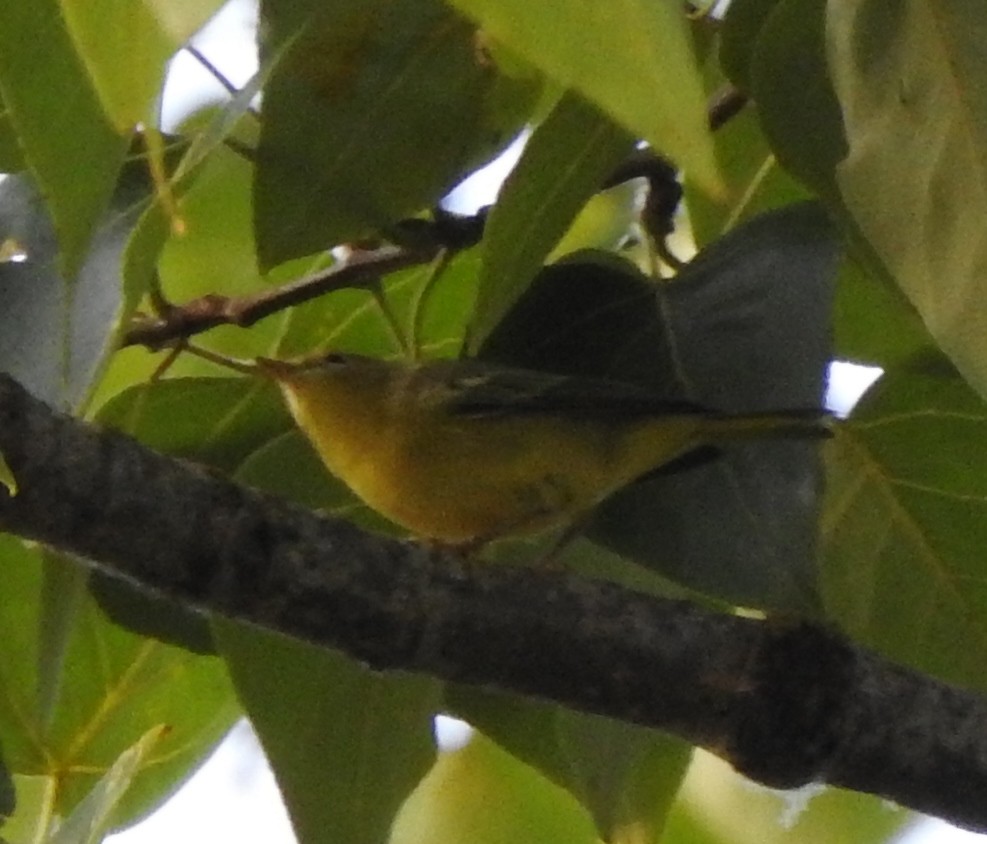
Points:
(786, 703)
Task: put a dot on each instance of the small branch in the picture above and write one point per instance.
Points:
(359, 271)
(786, 703)
(726, 103)
(421, 240)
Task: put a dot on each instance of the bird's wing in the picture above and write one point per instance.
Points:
(474, 388)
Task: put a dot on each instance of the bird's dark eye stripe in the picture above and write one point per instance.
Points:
(334, 358)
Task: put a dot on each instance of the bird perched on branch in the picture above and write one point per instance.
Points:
(465, 452)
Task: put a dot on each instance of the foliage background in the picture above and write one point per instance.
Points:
(873, 107)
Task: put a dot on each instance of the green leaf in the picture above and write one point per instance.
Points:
(44, 86)
(909, 78)
(433, 312)
(563, 165)
(217, 253)
(482, 795)
(347, 745)
(790, 82)
(632, 58)
(741, 26)
(63, 592)
(628, 777)
(754, 181)
(11, 159)
(625, 776)
(113, 688)
(92, 818)
(873, 322)
(217, 421)
(905, 523)
(8, 794)
(126, 45)
(376, 111)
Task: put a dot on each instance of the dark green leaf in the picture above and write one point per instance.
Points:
(790, 83)
(626, 776)
(218, 421)
(741, 26)
(750, 327)
(569, 317)
(151, 615)
(375, 111)
(563, 165)
(347, 744)
(11, 158)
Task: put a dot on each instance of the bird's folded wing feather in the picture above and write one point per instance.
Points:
(485, 390)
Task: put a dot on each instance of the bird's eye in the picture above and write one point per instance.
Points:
(335, 359)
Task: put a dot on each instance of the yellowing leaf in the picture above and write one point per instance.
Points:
(482, 795)
(909, 78)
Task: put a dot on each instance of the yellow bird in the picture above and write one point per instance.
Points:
(464, 452)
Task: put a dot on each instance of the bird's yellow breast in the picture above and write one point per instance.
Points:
(464, 452)
(461, 479)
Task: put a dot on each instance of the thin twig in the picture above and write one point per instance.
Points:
(359, 271)
(724, 105)
(214, 71)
